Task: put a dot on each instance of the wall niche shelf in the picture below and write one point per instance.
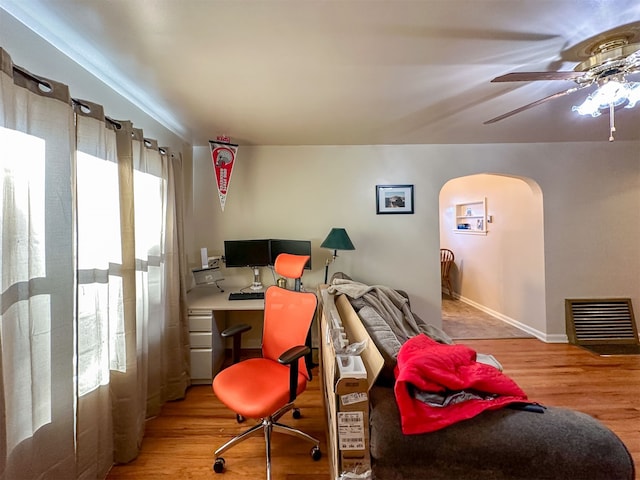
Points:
(471, 217)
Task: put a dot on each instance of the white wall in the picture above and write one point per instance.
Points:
(591, 197)
(30, 51)
(502, 271)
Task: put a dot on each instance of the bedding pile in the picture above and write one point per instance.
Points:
(438, 385)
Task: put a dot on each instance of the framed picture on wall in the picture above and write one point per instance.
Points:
(394, 199)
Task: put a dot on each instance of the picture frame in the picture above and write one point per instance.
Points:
(394, 199)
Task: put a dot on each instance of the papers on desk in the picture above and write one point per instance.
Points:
(204, 276)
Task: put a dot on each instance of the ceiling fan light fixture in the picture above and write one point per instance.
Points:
(589, 107)
(633, 94)
(609, 93)
(612, 92)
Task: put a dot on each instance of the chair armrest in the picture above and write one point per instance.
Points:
(236, 332)
(290, 357)
(293, 354)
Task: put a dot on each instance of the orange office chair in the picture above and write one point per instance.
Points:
(265, 388)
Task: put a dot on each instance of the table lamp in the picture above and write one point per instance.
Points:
(336, 240)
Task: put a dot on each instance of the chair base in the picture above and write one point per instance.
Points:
(267, 425)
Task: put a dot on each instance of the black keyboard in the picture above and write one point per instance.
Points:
(246, 296)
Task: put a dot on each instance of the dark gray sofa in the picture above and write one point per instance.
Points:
(496, 445)
(500, 444)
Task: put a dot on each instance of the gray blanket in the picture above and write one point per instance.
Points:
(391, 306)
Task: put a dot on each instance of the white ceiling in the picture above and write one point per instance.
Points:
(339, 72)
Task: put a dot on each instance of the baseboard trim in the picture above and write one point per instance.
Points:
(547, 338)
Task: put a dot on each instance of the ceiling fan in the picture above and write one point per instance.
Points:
(605, 60)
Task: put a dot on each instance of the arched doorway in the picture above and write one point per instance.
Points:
(500, 270)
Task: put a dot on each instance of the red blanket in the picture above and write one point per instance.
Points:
(428, 366)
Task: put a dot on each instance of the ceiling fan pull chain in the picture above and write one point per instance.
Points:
(612, 125)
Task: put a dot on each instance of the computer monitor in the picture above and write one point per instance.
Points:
(296, 247)
(247, 253)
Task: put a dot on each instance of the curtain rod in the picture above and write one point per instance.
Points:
(31, 76)
(46, 85)
(83, 104)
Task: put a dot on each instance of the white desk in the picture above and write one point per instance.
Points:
(210, 298)
(208, 308)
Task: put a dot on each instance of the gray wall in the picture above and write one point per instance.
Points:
(591, 195)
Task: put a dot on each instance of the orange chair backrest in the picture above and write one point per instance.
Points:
(289, 265)
(287, 318)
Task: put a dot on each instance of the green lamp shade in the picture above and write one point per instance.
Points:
(338, 240)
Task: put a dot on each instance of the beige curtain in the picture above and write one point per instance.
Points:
(100, 287)
(173, 348)
(129, 385)
(176, 310)
(153, 263)
(93, 319)
(37, 328)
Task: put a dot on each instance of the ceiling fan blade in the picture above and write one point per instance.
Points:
(535, 104)
(533, 76)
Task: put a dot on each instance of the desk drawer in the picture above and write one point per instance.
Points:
(200, 323)
(200, 339)
(201, 364)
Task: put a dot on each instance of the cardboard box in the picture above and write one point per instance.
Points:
(346, 385)
(352, 423)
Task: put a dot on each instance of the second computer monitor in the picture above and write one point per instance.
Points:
(296, 247)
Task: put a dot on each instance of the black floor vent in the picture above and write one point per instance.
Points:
(602, 322)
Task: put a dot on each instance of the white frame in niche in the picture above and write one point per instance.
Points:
(471, 217)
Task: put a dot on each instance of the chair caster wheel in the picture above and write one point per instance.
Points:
(316, 453)
(239, 418)
(296, 413)
(218, 465)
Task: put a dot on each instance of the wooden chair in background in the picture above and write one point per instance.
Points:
(446, 260)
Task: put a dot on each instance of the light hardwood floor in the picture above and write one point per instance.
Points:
(462, 321)
(563, 375)
(179, 444)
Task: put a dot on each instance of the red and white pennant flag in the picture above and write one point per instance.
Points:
(223, 156)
